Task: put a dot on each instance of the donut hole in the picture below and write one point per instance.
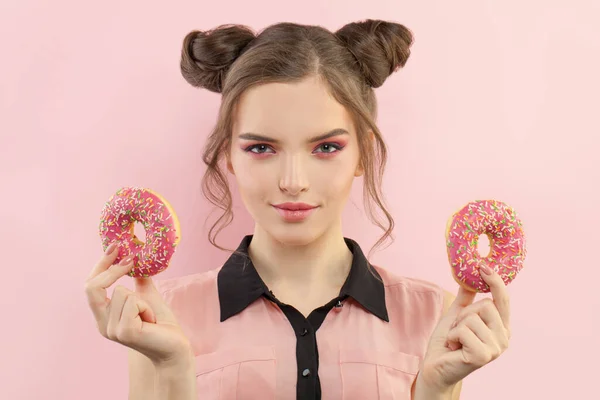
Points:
(140, 232)
(483, 245)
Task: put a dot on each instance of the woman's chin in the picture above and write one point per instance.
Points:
(293, 235)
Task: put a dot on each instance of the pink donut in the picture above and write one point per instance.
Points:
(507, 243)
(129, 205)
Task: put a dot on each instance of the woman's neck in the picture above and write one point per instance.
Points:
(322, 264)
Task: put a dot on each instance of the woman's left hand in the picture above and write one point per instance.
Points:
(468, 336)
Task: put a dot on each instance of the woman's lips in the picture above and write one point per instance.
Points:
(295, 215)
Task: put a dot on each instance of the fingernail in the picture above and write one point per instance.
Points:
(110, 248)
(486, 270)
(127, 260)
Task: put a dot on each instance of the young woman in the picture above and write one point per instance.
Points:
(297, 311)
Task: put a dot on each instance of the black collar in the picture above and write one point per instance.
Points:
(239, 283)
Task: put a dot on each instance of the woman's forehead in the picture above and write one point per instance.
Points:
(301, 108)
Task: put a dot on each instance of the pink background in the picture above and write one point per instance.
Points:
(498, 100)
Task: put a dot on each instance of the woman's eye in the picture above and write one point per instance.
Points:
(257, 146)
(329, 147)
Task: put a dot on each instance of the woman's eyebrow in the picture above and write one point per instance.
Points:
(262, 138)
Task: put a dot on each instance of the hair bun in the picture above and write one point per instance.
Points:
(380, 47)
(206, 56)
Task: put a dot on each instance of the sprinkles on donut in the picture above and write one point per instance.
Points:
(118, 217)
(504, 229)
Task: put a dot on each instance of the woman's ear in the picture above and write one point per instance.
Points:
(360, 168)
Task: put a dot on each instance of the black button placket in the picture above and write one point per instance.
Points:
(308, 385)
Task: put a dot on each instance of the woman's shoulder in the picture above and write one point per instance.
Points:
(392, 279)
(417, 288)
(205, 279)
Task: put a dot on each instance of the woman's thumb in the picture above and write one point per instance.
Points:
(145, 285)
(463, 298)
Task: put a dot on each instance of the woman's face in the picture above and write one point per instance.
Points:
(287, 165)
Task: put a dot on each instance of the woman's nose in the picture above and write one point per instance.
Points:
(293, 178)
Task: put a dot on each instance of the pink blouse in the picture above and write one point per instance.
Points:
(365, 344)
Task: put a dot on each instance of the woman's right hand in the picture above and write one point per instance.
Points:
(137, 319)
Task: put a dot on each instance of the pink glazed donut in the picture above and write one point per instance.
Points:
(119, 215)
(507, 243)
